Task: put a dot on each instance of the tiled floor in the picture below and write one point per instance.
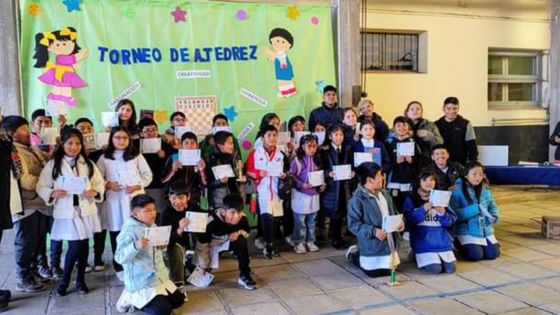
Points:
(524, 280)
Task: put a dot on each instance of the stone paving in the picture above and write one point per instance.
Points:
(524, 280)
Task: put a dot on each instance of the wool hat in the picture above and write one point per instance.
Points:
(12, 123)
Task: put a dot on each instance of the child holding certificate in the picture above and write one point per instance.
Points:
(477, 214)
(305, 194)
(147, 286)
(175, 216)
(219, 185)
(127, 174)
(75, 212)
(403, 152)
(193, 175)
(266, 165)
(428, 226)
(369, 144)
(337, 156)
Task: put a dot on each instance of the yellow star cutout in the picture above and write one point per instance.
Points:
(293, 12)
(160, 116)
(34, 9)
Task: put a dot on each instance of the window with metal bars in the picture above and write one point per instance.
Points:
(389, 52)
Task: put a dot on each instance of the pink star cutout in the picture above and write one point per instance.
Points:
(179, 15)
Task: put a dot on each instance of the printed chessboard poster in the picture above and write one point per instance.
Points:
(199, 111)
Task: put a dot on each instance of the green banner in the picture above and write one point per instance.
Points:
(240, 59)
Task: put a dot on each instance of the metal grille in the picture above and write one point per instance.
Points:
(389, 52)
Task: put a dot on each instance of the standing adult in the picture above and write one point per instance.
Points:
(426, 133)
(366, 107)
(329, 113)
(457, 132)
(9, 172)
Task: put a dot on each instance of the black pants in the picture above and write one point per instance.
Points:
(98, 247)
(164, 304)
(25, 244)
(44, 225)
(77, 252)
(56, 253)
(113, 236)
(288, 218)
(241, 250)
(399, 197)
(267, 227)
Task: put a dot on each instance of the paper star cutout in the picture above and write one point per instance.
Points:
(160, 116)
(179, 15)
(72, 5)
(128, 12)
(320, 85)
(34, 9)
(230, 113)
(293, 12)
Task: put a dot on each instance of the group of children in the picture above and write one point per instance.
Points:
(334, 173)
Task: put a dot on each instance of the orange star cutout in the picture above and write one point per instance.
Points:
(160, 116)
(293, 12)
(34, 9)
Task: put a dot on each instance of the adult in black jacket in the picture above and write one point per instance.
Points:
(329, 113)
(7, 172)
(457, 132)
(381, 128)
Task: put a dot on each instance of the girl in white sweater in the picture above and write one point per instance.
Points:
(126, 173)
(72, 184)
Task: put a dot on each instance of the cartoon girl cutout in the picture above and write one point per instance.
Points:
(61, 74)
(282, 41)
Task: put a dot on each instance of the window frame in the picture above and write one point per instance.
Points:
(420, 50)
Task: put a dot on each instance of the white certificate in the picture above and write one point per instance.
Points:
(223, 171)
(200, 278)
(197, 222)
(342, 172)
(109, 119)
(362, 157)
(316, 178)
(49, 135)
(102, 139)
(391, 222)
(276, 208)
(128, 178)
(440, 198)
(298, 135)
(320, 137)
(89, 141)
(222, 128)
(189, 157)
(73, 185)
(151, 145)
(54, 109)
(274, 168)
(283, 138)
(158, 235)
(179, 131)
(405, 149)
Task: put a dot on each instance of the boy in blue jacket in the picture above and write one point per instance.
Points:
(147, 286)
(429, 238)
(375, 253)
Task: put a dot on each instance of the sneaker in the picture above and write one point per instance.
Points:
(44, 272)
(88, 268)
(290, 241)
(181, 287)
(259, 243)
(5, 296)
(340, 244)
(98, 268)
(312, 247)
(57, 272)
(62, 290)
(120, 275)
(270, 251)
(300, 248)
(246, 282)
(352, 250)
(29, 285)
(82, 288)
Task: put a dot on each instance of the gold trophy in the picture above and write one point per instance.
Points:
(239, 169)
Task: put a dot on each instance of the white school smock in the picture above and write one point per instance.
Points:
(380, 262)
(116, 208)
(142, 297)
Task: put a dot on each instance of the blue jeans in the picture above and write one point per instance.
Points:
(26, 245)
(304, 227)
(438, 268)
(474, 252)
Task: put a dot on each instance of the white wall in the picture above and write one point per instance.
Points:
(458, 43)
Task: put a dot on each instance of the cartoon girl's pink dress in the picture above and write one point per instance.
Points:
(62, 73)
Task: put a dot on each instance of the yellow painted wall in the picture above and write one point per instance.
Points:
(456, 62)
